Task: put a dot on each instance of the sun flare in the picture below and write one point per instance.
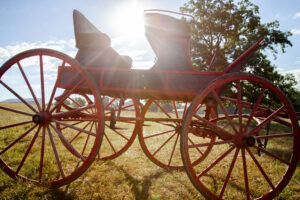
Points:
(128, 20)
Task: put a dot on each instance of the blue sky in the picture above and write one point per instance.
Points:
(39, 23)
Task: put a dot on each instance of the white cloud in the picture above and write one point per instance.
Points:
(139, 56)
(296, 31)
(35, 86)
(143, 64)
(296, 73)
(134, 54)
(297, 15)
(66, 46)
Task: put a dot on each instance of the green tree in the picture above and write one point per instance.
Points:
(79, 100)
(228, 28)
(67, 102)
(168, 107)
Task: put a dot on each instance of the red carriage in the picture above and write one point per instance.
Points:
(93, 106)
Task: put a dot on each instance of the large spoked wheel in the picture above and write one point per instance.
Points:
(120, 122)
(160, 130)
(31, 146)
(234, 169)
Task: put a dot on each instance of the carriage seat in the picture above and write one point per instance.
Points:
(170, 40)
(94, 47)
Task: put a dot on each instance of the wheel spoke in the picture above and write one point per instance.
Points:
(269, 118)
(78, 104)
(229, 173)
(245, 174)
(162, 133)
(128, 106)
(260, 168)
(15, 111)
(13, 125)
(109, 103)
(239, 104)
(255, 108)
(87, 139)
(17, 140)
(18, 96)
(224, 111)
(215, 162)
(222, 133)
(210, 144)
(75, 128)
(55, 153)
(29, 86)
(175, 108)
(66, 142)
(162, 109)
(272, 155)
(175, 143)
(70, 113)
(79, 132)
(52, 95)
(184, 110)
(64, 97)
(274, 136)
(78, 120)
(164, 144)
(117, 132)
(28, 150)
(73, 125)
(199, 106)
(42, 154)
(42, 82)
(110, 144)
(193, 145)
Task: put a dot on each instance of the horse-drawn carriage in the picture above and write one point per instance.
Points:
(93, 106)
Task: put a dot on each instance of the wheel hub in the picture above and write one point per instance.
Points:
(249, 141)
(41, 118)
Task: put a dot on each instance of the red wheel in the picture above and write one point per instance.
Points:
(31, 146)
(120, 127)
(159, 133)
(234, 169)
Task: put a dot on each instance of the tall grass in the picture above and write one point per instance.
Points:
(130, 176)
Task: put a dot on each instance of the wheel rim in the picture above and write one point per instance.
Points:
(159, 137)
(234, 166)
(39, 154)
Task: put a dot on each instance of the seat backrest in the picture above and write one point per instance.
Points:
(170, 40)
(165, 25)
(87, 36)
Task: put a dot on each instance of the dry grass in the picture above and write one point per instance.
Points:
(130, 176)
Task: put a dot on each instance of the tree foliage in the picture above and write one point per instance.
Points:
(79, 101)
(228, 28)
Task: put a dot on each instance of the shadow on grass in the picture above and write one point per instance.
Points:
(58, 194)
(143, 191)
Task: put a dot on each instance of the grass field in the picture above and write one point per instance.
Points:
(130, 176)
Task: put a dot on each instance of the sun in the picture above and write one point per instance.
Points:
(128, 20)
